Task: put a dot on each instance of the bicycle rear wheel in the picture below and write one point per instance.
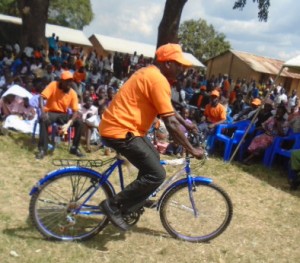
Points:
(214, 212)
(58, 212)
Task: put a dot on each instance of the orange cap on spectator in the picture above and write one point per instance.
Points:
(171, 52)
(215, 93)
(256, 102)
(203, 87)
(65, 75)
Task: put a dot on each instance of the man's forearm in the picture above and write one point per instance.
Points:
(173, 127)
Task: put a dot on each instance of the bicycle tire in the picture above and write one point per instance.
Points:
(51, 207)
(177, 215)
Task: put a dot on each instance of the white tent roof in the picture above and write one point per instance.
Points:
(11, 19)
(293, 63)
(69, 35)
(193, 59)
(112, 44)
(65, 34)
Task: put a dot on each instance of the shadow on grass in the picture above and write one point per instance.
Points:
(276, 176)
(29, 232)
(111, 233)
(25, 141)
(108, 234)
(24, 232)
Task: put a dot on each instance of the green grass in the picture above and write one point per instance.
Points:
(265, 225)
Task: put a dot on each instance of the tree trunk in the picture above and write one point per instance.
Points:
(34, 15)
(169, 25)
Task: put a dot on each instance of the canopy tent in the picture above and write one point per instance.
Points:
(293, 65)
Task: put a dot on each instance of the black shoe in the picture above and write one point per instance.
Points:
(114, 215)
(40, 155)
(76, 152)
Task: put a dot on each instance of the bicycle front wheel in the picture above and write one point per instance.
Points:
(212, 214)
(60, 209)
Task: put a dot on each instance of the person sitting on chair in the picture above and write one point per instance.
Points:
(214, 114)
(274, 126)
(60, 97)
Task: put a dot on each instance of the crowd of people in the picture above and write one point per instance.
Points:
(95, 80)
(222, 100)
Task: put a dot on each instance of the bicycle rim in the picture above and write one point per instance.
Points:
(54, 209)
(214, 212)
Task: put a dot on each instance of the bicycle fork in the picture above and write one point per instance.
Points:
(191, 189)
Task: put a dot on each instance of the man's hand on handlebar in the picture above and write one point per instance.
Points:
(198, 153)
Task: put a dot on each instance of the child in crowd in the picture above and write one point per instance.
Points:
(91, 119)
(174, 148)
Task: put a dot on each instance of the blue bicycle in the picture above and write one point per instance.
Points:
(65, 203)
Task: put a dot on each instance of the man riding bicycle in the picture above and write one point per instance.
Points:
(124, 125)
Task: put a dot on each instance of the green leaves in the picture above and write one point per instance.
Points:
(263, 8)
(201, 39)
(9, 7)
(75, 14)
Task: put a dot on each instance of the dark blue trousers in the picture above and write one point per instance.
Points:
(140, 152)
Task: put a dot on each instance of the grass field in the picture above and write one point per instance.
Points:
(265, 225)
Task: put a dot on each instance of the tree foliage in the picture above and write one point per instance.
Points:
(74, 14)
(263, 8)
(9, 7)
(201, 39)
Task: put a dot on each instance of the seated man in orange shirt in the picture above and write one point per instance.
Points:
(126, 121)
(60, 97)
(215, 113)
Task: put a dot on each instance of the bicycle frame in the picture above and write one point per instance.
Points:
(117, 164)
(173, 182)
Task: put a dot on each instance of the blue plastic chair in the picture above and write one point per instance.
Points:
(229, 142)
(276, 148)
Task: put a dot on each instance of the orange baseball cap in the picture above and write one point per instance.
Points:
(171, 52)
(215, 93)
(256, 102)
(65, 75)
(203, 87)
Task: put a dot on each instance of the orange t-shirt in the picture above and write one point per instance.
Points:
(133, 109)
(226, 87)
(78, 64)
(57, 100)
(232, 97)
(215, 114)
(79, 76)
